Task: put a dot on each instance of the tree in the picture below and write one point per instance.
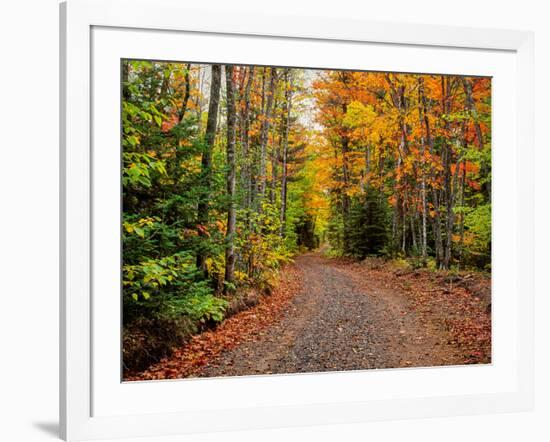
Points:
(266, 121)
(231, 171)
(285, 150)
(368, 225)
(206, 161)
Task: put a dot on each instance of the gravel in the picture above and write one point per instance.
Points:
(337, 322)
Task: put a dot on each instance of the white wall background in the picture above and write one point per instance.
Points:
(29, 231)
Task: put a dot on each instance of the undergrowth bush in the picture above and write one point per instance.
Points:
(148, 340)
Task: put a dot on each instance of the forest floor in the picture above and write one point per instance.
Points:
(332, 315)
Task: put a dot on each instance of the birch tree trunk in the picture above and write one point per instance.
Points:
(206, 160)
(264, 137)
(424, 241)
(245, 140)
(275, 154)
(447, 153)
(231, 171)
(284, 171)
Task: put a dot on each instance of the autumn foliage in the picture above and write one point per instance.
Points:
(422, 144)
(230, 171)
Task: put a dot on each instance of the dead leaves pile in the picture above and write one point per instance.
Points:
(244, 326)
(452, 308)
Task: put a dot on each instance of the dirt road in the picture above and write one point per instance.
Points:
(338, 321)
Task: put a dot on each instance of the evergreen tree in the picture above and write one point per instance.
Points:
(368, 232)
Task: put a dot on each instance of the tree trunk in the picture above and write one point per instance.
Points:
(436, 220)
(447, 153)
(424, 241)
(186, 94)
(346, 203)
(470, 105)
(413, 230)
(461, 228)
(264, 137)
(231, 171)
(367, 167)
(125, 74)
(275, 154)
(206, 161)
(284, 172)
(245, 145)
(467, 86)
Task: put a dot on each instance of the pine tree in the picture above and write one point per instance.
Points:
(368, 234)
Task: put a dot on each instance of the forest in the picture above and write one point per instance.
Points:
(231, 172)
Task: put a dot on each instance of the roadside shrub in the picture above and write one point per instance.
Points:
(374, 262)
(165, 302)
(402, 264)
(477, 236)
(199, 308)
(148, 340)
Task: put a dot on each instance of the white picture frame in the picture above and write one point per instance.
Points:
(92, 407)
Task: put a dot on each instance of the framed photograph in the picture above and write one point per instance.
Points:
(276, 221)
